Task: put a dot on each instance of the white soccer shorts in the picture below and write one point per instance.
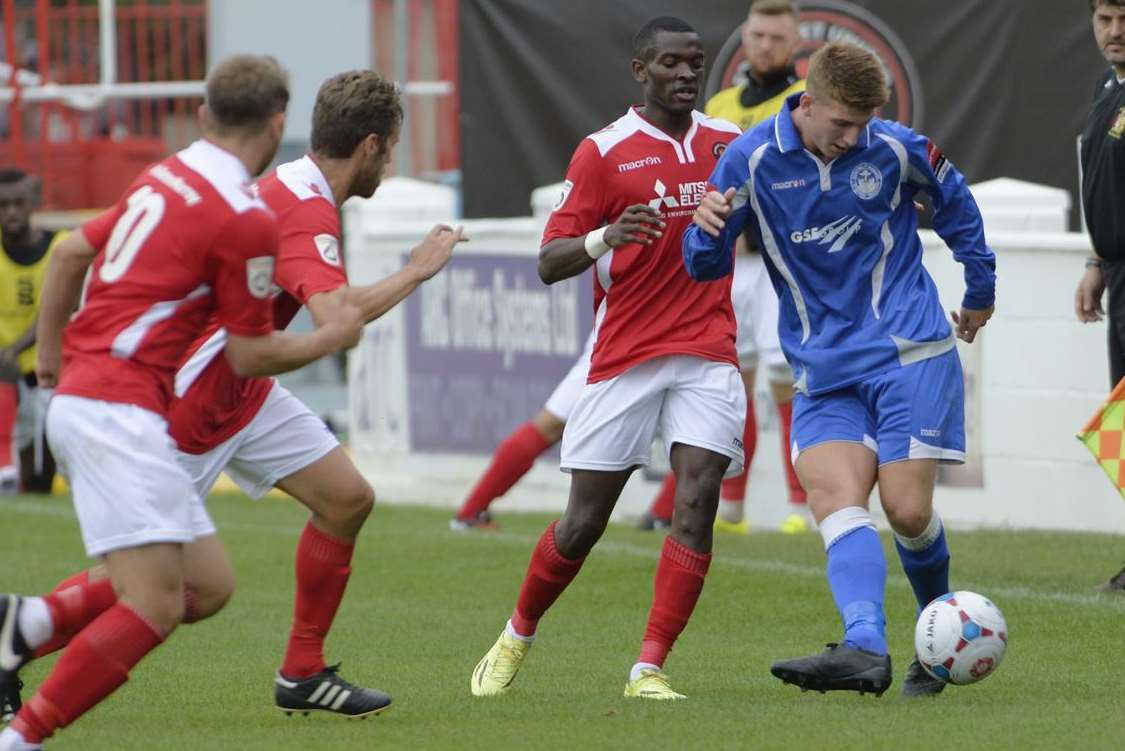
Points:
(128, 488)
(562, 400)
(755, 309)
(284, 437)
(690, 400)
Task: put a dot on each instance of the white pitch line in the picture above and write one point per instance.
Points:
(999, 592)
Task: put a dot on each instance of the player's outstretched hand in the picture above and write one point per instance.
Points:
(968, 322)
(1088, 296)
(430, 256)
(640, 223)
(711, 216)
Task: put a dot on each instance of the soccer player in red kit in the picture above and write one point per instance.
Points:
(189, 241)
(264, 436)
(664, 354)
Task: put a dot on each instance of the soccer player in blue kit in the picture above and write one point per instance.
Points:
(828, 189)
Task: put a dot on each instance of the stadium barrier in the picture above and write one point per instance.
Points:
(437, 383)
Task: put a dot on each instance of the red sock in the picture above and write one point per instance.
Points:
(94, 665)
(323, 568)
(513, 458)
(74, 603)
(797, 494)
(665, 501)
(548, 574)
(9, 404)
(734, 488)
(679, 580)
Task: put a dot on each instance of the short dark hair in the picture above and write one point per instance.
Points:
(1095, 4)
(644, 43)
(774, 8)
(349, 107)
(12, 175)
(246, 90)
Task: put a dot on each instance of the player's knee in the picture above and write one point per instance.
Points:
(909, 519)
(204, 600)
(578, 531)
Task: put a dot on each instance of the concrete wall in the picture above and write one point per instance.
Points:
(1036, 375)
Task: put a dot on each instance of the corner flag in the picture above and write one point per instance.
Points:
(1102, 436)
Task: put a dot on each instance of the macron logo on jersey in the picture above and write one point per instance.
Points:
(648, 161)
(837, 233)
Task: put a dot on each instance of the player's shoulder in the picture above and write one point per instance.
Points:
(890, 130)
(718, 124)
(601, 142)
(297, 206)
(209, 178)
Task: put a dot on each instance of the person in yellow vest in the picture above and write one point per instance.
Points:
(24, 251)
(770, 39)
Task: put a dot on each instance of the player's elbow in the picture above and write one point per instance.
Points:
(548, 271)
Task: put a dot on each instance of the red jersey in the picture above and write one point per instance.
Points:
(213, 403)
(645, 304)
(189, 242)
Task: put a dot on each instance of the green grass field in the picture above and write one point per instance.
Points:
(424, 604)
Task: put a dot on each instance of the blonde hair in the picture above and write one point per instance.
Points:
(774, 8)
(848, 74)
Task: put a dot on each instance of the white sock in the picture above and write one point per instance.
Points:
(635, 673)
(731, 511)
(35, 622)
(513, 633)
(11, 740)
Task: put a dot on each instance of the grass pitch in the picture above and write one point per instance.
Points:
(424, 604)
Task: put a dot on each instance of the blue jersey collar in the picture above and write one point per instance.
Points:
(786, 135)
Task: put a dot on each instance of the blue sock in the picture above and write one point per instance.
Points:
(925, 560)
(857, 576)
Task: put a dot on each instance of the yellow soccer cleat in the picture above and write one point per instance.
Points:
(652, 684)
(495, 672)
(795, 524)
(738, 528)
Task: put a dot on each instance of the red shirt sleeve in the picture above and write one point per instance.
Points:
(581, 206)
(309, 255)
(243, 259)
(97, 230)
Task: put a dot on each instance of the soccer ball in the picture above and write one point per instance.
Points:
(960, 637)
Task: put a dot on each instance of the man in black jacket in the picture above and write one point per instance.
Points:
(1103, 198)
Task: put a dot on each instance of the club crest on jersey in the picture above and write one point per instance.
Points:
(259, 276)
(718, 149)
(1118, 127)
(866, 180)
(329, 248)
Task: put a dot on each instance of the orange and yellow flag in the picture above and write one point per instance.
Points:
(1102, 435)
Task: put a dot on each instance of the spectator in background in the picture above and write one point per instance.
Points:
(1103, 194)
(23, 263)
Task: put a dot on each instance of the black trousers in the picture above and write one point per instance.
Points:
(1114, 273)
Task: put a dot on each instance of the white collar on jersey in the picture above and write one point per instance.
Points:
(305, 178)
(214, 161)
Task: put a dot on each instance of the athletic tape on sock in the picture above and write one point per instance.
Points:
(926, 539)
(841, 522)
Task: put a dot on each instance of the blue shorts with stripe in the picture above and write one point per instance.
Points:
(913, 412)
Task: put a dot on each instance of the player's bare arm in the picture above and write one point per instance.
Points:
(1088, 296)
(570, 256)
(713, 210)
(62, 288)
(373, 300)
(968, 322)
(280, 351)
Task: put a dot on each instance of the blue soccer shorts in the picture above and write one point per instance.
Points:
(912, 412)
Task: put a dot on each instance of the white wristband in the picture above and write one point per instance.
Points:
(595, 243)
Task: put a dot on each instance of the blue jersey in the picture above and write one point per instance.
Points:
(842, 248)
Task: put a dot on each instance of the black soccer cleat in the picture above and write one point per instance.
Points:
(920, 683)
(14, 652)
(838, 668)
(10, 702)
(328, 692)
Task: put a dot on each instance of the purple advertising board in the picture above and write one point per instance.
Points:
(486, 343)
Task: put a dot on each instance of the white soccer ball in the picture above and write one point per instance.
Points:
(960, 637)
